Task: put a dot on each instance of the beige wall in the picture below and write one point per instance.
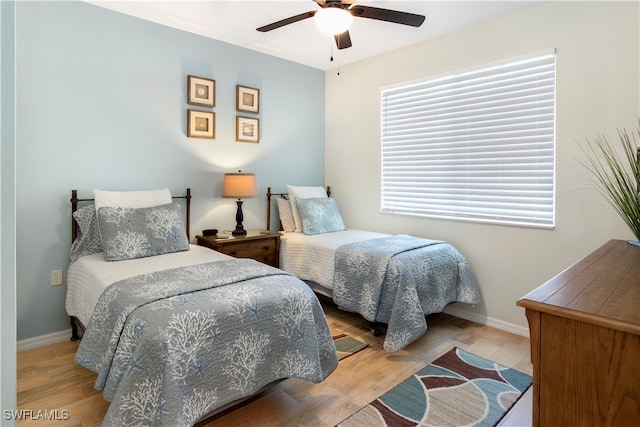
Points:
(597, 91)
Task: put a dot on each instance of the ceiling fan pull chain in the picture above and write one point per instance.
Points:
(337, 56)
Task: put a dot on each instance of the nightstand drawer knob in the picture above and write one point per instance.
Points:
(234, 253)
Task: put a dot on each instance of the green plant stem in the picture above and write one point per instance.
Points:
(617, 176)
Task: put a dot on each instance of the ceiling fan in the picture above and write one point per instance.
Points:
(338, 14)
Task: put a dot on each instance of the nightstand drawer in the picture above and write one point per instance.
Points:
(259, 250)
(256, 245)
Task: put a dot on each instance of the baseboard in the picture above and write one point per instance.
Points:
(51, 338)
(484, 320)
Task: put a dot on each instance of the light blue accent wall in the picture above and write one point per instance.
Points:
(102, 103)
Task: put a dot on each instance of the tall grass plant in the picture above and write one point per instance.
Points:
(615, 171)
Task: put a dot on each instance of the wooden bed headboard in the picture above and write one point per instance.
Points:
(284, 196)
(75, 201)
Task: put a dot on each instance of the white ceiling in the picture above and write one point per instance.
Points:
(235, 22)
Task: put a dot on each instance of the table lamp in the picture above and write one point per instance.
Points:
(239, 186)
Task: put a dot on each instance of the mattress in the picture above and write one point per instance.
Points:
(312, 257)
(88, 276)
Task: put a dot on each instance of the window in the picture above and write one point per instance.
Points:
(477, 145)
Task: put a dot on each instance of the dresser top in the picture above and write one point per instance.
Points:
(603, 289)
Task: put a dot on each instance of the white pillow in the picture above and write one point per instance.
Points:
(131, 199)
(303, 192)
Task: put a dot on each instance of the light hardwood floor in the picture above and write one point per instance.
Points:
(48, 379)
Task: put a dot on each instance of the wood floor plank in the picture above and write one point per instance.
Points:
(49, 379)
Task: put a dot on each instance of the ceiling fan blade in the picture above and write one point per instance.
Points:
(286, 21)
(388, 15)
(343, 40)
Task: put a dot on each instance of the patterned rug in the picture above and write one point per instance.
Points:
(459, 388)
(347, 346)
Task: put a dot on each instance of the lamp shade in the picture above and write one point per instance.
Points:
(239, 185)
(333, 20)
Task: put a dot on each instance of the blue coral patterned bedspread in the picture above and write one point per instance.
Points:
(398, 280)
(172, 346)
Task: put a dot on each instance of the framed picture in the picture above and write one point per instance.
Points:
(201, 124)
(247, 99)
(201, 91)
(247, 129)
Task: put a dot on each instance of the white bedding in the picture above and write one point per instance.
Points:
(312, 257)
(88, 276)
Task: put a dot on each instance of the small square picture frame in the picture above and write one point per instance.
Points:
(201, 124)
(247, 99)
(201, 91)
(247, 129)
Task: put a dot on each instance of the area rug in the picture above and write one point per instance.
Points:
(459, 388)
(347, 346)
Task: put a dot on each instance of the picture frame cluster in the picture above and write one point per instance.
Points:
(201, 123)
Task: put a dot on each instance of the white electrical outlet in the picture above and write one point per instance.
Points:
(56, 277)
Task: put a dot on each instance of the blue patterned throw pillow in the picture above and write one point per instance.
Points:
(319, 215)
(136, 233)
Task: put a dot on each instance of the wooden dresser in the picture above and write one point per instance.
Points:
(585, 341)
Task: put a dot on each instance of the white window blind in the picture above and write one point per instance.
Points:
(477, 145)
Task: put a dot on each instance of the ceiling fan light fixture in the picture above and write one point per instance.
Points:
(333, 20)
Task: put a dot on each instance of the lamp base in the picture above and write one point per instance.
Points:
(239, 232)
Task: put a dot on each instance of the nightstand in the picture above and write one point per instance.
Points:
(261, 247)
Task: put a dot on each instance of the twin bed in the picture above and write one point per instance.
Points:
(396, 280)
(176, 332)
